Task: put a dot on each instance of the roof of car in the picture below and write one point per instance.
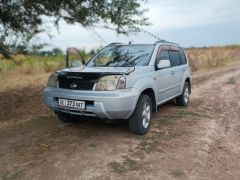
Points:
(157, 42)
(164, 41)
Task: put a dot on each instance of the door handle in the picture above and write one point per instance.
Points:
(173, 72)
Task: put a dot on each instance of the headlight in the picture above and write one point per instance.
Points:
(53, 80)
(110, 83)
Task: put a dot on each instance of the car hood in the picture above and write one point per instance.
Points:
(84, 69)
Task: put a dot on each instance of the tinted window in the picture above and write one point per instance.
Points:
(182, 56)
(164, 55)
(174, 58)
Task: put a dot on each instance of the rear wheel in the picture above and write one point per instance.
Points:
(183, 99)
(140, 120)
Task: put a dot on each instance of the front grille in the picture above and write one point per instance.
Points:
(78, 81)
(80, 85)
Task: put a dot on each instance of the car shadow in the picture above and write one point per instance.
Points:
(119, 125)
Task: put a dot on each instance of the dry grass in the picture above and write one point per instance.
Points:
(30, 64)
(18, 81)
(128, 164)
(204, 58)
(24, 71)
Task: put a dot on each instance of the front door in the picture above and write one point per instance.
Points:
(166, 81)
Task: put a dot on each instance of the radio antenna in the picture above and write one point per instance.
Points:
(157, 38)
(152, 35)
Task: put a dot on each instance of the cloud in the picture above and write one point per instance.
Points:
(204, 20)
(167, 15)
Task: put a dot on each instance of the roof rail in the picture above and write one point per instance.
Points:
(164, 41)
(114, 43)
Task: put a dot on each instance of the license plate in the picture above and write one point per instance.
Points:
(71, 103)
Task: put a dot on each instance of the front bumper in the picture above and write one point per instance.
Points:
(118, 104)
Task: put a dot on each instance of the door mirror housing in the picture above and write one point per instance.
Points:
(163, 64)
(76, 63)
(73, 54)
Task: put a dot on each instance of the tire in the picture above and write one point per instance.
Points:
(139, 122)
(183, 99)
(64, 117)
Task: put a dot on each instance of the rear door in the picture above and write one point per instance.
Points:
(183, 68)
(178, 62)
(165, 77)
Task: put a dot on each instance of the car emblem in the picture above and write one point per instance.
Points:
(73, 85)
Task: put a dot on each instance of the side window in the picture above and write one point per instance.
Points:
(174, 58)
(182, 56)
(164, 55)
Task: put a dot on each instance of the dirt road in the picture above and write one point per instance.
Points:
(201, 141)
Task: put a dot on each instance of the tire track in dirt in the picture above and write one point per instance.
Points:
(211, 150)
(219, 145)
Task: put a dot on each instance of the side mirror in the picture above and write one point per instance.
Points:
(76, 63)
(163, 64)
(73, 54)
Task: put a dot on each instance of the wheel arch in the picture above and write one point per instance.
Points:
(189, 82)
(150, 92)
(147, 86)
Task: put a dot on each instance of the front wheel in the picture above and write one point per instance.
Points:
(140, 120)
(183, 99)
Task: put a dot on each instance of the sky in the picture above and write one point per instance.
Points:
(187, 22)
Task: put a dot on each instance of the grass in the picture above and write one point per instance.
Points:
(205, 58)
(25, 71)
(150, 143)
(173, 133)
(200, 58)
(126, 165)
(177, 173)
(232, 81)
(28, 70)
(200, 80)
(177, 116)
(31, 64)
(13, 81)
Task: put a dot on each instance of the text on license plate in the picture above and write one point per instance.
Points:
(71, 103)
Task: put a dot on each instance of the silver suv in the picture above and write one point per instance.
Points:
(122, 81)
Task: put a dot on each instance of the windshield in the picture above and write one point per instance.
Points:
(123, 56)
